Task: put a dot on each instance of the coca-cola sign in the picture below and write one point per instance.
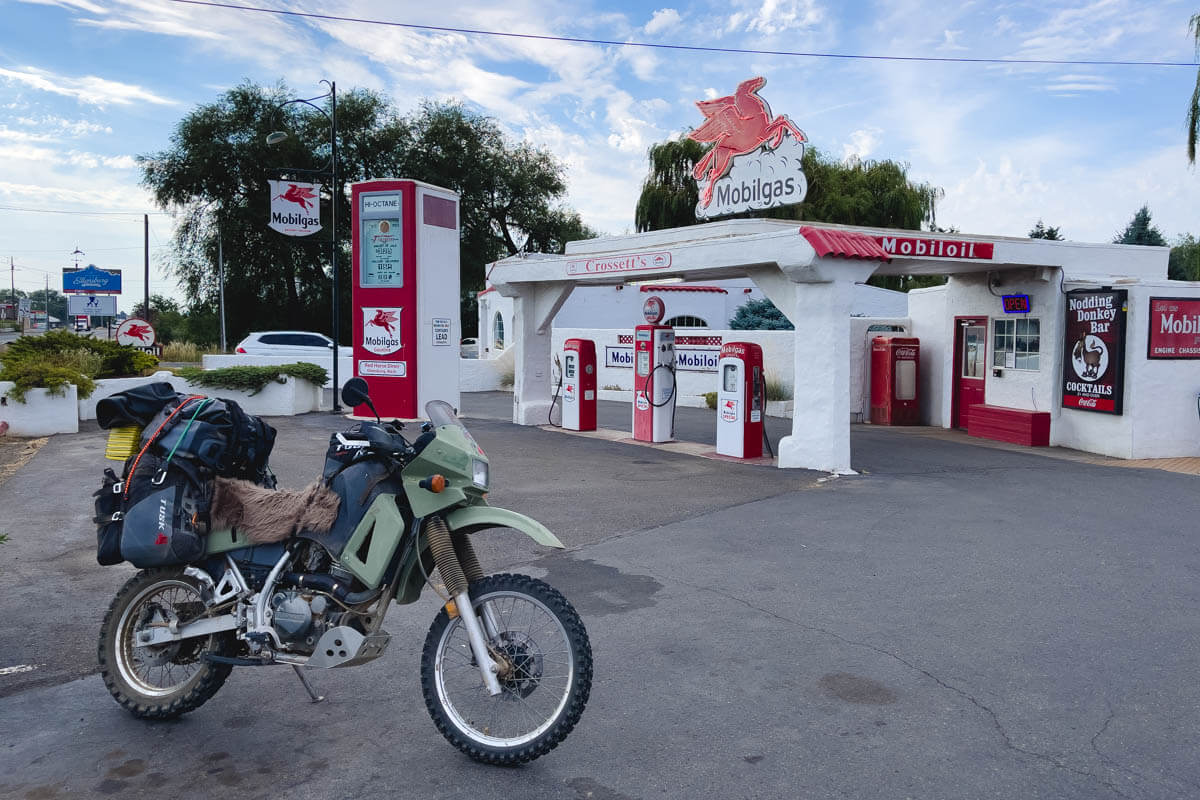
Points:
(1094, 351)
(1174, 327)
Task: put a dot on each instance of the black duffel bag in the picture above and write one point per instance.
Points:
(166, 513)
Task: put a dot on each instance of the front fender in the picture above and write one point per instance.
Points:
(476, 518)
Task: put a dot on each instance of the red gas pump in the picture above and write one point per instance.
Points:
(741, 396)
(894, 371)
(579, 385)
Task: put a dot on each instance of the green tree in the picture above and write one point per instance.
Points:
(1184, 261)
(1040, 231)
(759, 315)
(669, 192)
(168, 319)
(58, 302)
(215, 173)
(1141, 231)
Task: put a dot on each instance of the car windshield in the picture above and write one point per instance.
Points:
(441, 413)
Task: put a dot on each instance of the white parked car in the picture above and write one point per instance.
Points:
(469, 348)
(293, 344)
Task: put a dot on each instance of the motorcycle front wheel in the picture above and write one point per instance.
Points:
(546, 672)
(159, 681)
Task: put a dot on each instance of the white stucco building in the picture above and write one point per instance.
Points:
(1086, 346)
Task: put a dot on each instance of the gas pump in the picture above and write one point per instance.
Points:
(579, 385)
(654, 383)
(741, 396)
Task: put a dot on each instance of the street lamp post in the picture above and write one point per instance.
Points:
(335, 190)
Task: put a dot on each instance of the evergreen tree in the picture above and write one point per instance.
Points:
(1040, 231)
(759, 315)
(1141, 231)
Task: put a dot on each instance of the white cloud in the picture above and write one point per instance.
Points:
(661, 20)
(1079, 83)
(862, 143)
(777, 16)
(950, 40)
(86, 89)
(80, 5)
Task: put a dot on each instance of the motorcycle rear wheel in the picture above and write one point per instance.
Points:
(544, 691)
(162, 681)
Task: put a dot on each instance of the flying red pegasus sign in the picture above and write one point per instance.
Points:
(295, 208)
(755, 158)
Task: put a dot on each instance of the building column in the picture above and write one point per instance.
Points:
(820, 436)
(534, 307)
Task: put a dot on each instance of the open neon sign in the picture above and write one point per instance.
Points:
(1016, 303)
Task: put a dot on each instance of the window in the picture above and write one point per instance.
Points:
(498, 332)
(1016, 343)
(685, 321)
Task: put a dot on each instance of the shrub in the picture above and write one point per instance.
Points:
(710, 400)
(252, 379)
(187, 352)
(777, 389)
(508, 378)
(59, 357)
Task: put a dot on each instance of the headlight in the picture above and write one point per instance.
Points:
(479, 473)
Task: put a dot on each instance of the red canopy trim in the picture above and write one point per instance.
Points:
(660, 287)
(843, 244)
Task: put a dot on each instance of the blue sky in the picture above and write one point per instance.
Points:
(86, 85)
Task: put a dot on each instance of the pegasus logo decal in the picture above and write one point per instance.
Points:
(140, 332)
(736, 125)
(300, 195)
(384, 319)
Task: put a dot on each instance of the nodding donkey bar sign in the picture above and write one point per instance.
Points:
(755, 159)
(1094, 351)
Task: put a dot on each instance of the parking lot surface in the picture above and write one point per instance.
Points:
(959, 621)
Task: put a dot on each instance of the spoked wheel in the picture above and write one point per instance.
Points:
(545, 672)
(166, 680)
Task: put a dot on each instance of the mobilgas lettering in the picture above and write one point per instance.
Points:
(294, 219)
(381, 341)
(1167, 323)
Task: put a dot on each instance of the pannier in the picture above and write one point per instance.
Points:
(157, 512)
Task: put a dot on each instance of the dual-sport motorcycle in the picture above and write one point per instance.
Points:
(506, 668)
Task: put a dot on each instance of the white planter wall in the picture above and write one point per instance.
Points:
(484, 374)
(42, 413)
(295, 396)
(345, 364)
(110, 386)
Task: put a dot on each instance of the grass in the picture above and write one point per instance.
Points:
(777, 389)
(186, 352)
(508, 378)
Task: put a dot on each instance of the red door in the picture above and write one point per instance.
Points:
(970, 360)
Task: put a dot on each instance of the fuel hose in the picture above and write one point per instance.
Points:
(650, 399)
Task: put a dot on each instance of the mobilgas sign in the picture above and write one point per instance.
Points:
(91, 279)
(755, 159)
(686, 360)
(1094, 351)
(295, 208)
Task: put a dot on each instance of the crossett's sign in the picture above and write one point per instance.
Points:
(935, 248)
(627, 263)
(755, 159)
(1174, 327)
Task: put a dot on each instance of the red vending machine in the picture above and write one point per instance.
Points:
(894, 371)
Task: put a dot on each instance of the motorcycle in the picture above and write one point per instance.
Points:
(506, 668)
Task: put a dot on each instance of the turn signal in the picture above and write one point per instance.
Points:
(434, 483)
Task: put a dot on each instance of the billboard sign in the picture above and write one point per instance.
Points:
(92, 305)
(91, 279)
(755, 158)
(1094, 351)
(295, 208)
(1174, 328)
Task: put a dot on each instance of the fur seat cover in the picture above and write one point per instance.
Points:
(272, 515)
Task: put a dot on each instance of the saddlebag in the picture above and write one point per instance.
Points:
(166, 514)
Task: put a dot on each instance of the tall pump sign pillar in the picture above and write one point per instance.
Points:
(405, 294)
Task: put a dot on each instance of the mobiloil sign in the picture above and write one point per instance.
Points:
(1094, 351)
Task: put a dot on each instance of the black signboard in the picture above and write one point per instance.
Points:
(1094, 350)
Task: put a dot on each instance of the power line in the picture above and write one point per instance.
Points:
(689, 47)
(83, 213)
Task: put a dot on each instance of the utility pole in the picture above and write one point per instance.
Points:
(146, 242)
(221, 279)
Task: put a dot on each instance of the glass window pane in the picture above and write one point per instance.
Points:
(1022, 345)
(906, 380)
(1033, 361)
(1022, 327)
(1022, 361)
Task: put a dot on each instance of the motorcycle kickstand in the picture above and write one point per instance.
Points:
(316, 698)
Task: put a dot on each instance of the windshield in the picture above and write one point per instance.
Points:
(441, 413)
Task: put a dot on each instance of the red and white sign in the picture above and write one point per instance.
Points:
(383, 369)
(295, 208)
(1174, 327)
(381, 330)
(755, 159)
(135, 332)
(935, 248)
(603, 266)
(653, 310)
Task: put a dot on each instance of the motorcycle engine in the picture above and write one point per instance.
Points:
(298, 617)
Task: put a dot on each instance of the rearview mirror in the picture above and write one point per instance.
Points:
(354, 393)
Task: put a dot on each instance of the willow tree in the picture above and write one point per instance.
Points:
(669, 193)
(1193, 115)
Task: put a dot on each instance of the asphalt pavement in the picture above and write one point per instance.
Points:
(958, 622)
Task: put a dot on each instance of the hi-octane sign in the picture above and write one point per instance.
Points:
(755, 159)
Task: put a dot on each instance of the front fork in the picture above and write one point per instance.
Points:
(488, 668)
